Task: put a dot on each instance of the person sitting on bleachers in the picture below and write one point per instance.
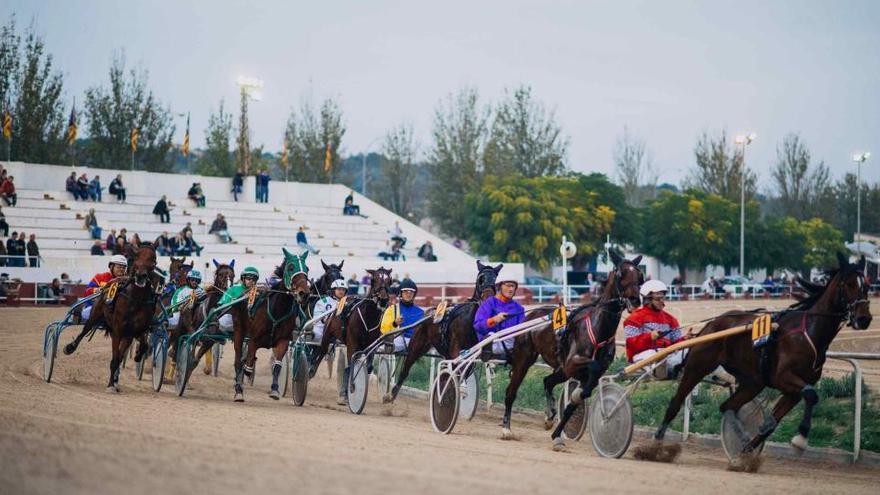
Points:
(426, 252)
(397, 234)
(162, 210)
(95, 189)
(119, 245)
(82, 186)
(71, 186)
(7, 191)
(192, 245)
(303, 242)
(220, 228)
(96, 249)
(117, 188)
(387, 253)
(350, 208)
(56, 292)
(179, 245)
(195, 193)
(91, 224)
(3, 225)
(163, 244)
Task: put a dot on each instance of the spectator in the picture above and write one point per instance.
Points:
(162, 210)
(22, 249)
(195, 193)
(33, 251)
(426, 252)
(163, 243)
(12, 250)
(117, 188)
(82, 186)
(7, 192)
(220, 228)
(3, 225)
(192, 245)
(365, 282)
(71, 186)
(769, 286)
(96, 249)
(179, 244)
(353, 285)
(263, 179)
(388, 252)
(65, 278)
(397, 234)
(237, 184)
(303, 242)
(187, 229)
(675, 288)
(91, 224)
(119, 245)
(124, 234)
(56, 291)
(95, 189)
(458, 243)
(708, 285)
(3, 254)
(350, 208)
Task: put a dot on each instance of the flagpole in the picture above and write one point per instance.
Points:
(132, 159)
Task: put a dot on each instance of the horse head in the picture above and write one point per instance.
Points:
(331, 274)
(380, 285)
(143, 263)
(295, 274)
(626, 279)
(852, 292)
(224, 274)
(178, 270)
(485, 283)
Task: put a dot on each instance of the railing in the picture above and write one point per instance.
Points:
(20, 261)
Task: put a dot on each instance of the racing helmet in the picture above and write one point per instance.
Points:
(652, 286)
(339, 284)
(194, 275)
(118, 259)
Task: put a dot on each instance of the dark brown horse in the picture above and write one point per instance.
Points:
(321, 286)
(358, 324)
(585, 349)
(453, 333)
(796, 354)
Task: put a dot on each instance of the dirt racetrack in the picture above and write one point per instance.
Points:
(71, 436)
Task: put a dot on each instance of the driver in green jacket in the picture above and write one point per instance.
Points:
(249, 277)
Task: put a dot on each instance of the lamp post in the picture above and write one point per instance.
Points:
(743, 140)
(568, 250)
(859, 158)
(364, 167)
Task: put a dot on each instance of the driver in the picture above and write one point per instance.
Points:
(328, 304)
(118, 265)
(402, 314)
(650, 328)
(248, 280)
(497, 313)
(193, 279)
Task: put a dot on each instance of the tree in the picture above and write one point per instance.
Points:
(523, 219)
(719, 169)
(455, 161)
(634, 169)
(243, 141)
(113, 112)
(399, 170)
(525, 138)
(626, 227)
(308, 136)
(799, 186)
(845, 198)
(9, 60)
(823, 242)
(216, 158)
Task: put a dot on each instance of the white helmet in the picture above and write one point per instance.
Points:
(652, 286)
(339, 284)
(118, 259)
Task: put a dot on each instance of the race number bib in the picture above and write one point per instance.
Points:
(761, 328)
(111, 292)
(560, 318)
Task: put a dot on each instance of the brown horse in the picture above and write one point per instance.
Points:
(585, 349)
(796, 355)
(453, 333)
(358, 325)
(271, 321)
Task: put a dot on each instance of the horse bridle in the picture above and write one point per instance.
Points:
(374, 291)
(849, 313)
(622, 302)
(482, 283)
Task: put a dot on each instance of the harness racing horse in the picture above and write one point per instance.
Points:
(796, 352)
(271, 320)
(321, 286)
(586, 347)
(453, 333)
(357, 324)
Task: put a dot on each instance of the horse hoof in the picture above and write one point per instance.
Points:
(506, 434)
(206, 371)
(341, 401)
(746, 463)
(549, 422)
(239, 397)
(112, 389)
(799, 442)
(387, 399)
(274, 394)
(558, 444)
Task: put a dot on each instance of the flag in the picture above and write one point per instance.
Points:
(328, 160)
(186, 138)
(284, 154)
(7, 122)
(71, 125)
(134, 139)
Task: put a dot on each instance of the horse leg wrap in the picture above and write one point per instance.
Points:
(276, 372)
(810, 396)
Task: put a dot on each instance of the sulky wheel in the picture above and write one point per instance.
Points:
(139, 365)
(285, 371)
(160, 359)
(611, 420)
(185, 363)
(358, 383)
(470, 395)
(300, 375)
(443, 401)
(331, 355)
(577, 424)
(216, 353)
(50, 351)
(341, 364)
(751, 416)
(382, 369)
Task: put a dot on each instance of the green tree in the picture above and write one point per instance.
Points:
(799, 186)
(626, 227)
(823, 242)
(113, 112)
(243, 152)
(523, 219)
(525, 138)
(308, 135)
(399, 170)
(455, 161)
(10, 42)
(719, 168)
(216, 158)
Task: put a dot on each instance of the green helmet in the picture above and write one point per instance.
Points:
(250, 271)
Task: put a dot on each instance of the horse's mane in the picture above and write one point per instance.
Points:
(809, 293)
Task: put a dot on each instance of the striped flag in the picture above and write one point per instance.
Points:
(71, 125)
(134, 139)
(328, 160)
(186, 138)
(7, 122)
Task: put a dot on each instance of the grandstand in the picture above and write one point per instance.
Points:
(259, 229)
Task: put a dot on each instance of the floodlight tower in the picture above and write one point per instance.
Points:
(743, 140)
(859, 158)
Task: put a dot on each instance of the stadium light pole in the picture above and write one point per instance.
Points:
(743, 140)
(859, 158)
(364, 167)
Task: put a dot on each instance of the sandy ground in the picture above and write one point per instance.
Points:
(71, 436)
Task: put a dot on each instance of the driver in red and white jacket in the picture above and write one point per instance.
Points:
(650, 328)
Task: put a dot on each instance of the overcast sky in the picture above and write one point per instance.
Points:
(668, 70)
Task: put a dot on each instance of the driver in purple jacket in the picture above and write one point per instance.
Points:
(498, 313)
